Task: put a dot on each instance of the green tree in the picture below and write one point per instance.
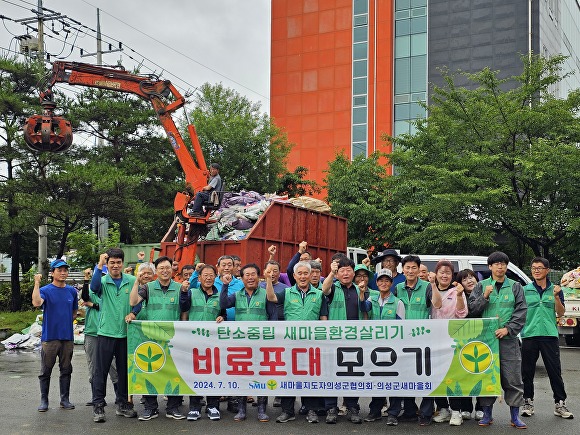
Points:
(295, 184)
(233, 132)
(499, 159)
(358, 190)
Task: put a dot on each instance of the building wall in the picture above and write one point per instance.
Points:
(317, 96)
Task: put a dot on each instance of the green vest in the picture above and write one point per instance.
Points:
(257, 308)
(115, 306)
(415, 307)
(162, 305)
(541, 317)
(297, 308)
(501, 304)
(337, 308)
(389, 311)
(92, 316)
(202, 309)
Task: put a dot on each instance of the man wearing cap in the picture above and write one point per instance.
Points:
(214, 183)
(59, 302)
(383, 305)
(388, 259)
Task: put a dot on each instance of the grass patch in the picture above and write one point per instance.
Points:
(17, 321)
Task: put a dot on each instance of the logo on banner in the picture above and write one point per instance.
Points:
(149, 357)
(476, 357)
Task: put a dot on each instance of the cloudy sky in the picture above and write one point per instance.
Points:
(193, 42)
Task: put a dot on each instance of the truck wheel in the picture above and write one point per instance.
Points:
(572, 340)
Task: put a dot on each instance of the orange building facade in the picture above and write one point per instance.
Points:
(332, 78)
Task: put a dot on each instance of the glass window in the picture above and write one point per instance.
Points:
(401, 112)
(360, 20)
(402, 4)
(359, 133)
(359, 115)
(401, 15)
(360, 7)
(418, 12)
(402, 27)
(402, 76)
(359, 68)
(359, 148)
(402, 46)
(402, 98)
(360, 34)
(359, 86)
(359, 101)
(401, 127)
(416, 111)
(359, 51)
(419, 74)
(418, 25)
(417, 3)
(419, 96)
(418, 44)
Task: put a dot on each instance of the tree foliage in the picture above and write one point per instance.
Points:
(295, 184)
(232, 131)
(501, 158)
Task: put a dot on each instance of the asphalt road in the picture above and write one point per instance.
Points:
(19, 398)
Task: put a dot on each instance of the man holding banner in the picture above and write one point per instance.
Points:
(503, 298)
(300, 302)
(250, 304)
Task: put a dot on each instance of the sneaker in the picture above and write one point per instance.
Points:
(303, 410)
(392, 420)
(284, 417)
(213, 413)
(193, 415)
(312, 417)
(562, 411)
(425, 421)
(353, 416)
(455, 419)
(443, 416)
(466, 415)
(528, 408)
(373, 417)
(174, 414)
(99, 414)
(149, 414)
(478, 415)
(126, 411)
(331, 416)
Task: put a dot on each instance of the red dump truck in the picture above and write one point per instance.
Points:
(283, 225)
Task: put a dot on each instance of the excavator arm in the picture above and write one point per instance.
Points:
(47, 132)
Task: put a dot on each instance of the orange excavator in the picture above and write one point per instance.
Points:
(51, 133)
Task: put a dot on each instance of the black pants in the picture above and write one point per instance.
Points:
(173, 402)
(548, 347)
(211, 401)
(287, 404)
(107, 348)
(332, 402)
(425, 408)
(455, 403)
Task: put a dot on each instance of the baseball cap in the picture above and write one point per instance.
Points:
(59, 262)
(385, 272)
(362, 267)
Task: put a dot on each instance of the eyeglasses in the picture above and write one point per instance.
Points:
(538, 269)
(163, 267)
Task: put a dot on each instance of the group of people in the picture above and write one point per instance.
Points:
(228, 292)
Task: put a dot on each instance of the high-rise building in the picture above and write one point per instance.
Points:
(344, 72)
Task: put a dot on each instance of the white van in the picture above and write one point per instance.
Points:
(476, 263)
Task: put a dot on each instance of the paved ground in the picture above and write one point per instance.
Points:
(19, 397)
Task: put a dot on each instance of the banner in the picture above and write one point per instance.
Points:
(406, 358)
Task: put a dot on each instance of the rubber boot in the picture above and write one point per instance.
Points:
(64, 392)
(487, 418)
(44, 387)
(241, 415)
(262, 403)
(516, 422)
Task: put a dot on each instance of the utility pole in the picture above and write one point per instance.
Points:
(43, 228)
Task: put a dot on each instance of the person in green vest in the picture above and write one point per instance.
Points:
(343, 304)
(540, 336)
(419, 298)
(502, 298)
(251, 304)
(301, 302)
(382, 305)
(113, 288)
(202, 303)
(160, 301)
